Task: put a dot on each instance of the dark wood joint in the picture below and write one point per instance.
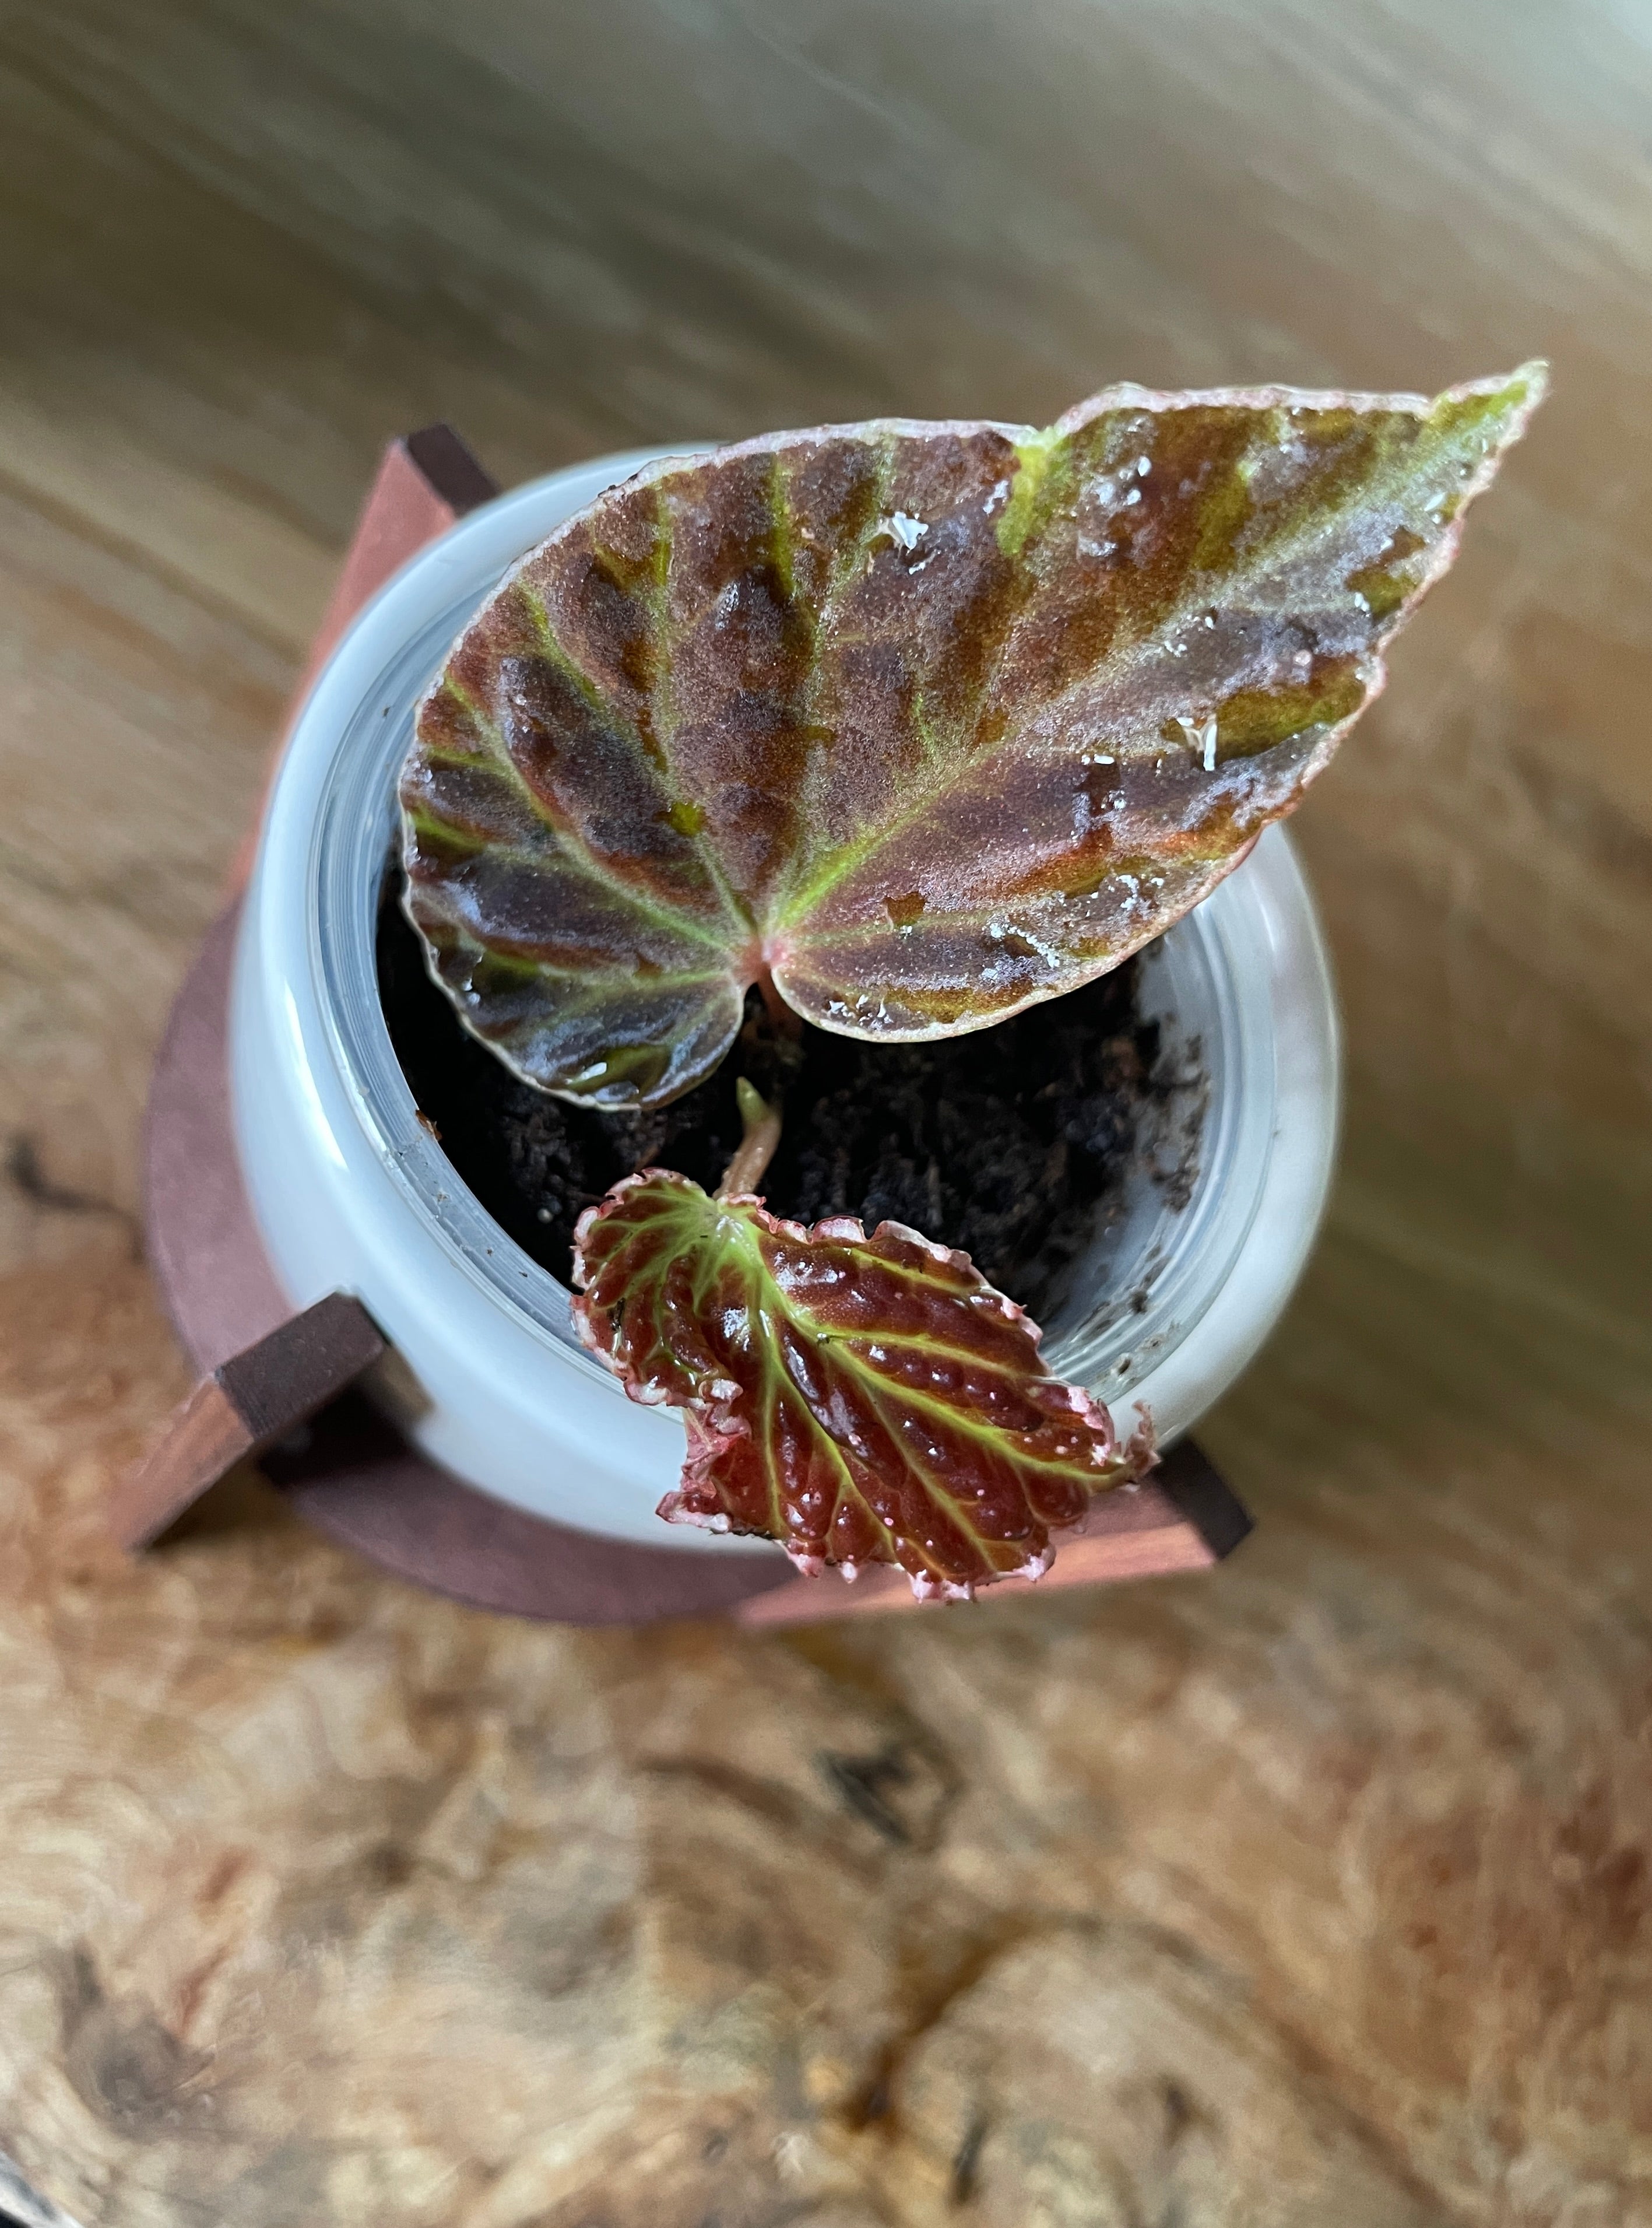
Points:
(1203, 1499)
(455, 474)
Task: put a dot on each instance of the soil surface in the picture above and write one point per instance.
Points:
(1010, 1143)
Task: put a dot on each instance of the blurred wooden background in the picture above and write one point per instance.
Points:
(1313, 1892)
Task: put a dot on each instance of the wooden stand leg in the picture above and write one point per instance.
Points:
(245, 1406)
(203, 1244)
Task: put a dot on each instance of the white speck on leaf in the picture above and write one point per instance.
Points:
(1202, 738)
(906, 531)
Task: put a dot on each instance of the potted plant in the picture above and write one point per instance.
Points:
(769, 794)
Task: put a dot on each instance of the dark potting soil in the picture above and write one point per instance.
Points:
(1010, 1143)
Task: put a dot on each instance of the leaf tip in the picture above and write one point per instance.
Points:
(1500, 407)
(1521, 392)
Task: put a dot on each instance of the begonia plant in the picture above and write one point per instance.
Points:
(908, 727)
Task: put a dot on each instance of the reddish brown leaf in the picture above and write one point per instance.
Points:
(925, 722)
(859, 1399)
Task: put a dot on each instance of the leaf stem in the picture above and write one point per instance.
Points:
(757, 1147)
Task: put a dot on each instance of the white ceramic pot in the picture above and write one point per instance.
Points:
(351, 1193)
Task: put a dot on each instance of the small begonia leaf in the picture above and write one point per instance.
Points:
(859, 1399)
(927, 722)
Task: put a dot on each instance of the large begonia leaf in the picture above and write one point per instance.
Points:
(859, 1399)
(924, 722)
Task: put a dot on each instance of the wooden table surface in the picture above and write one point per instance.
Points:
(1315, 1892)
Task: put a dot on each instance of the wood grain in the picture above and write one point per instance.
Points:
(1312, 1889)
